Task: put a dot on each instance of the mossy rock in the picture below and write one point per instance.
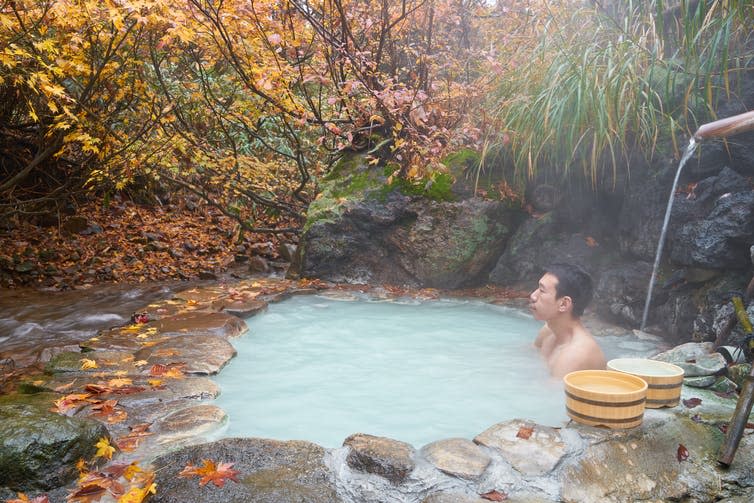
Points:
(39, 448)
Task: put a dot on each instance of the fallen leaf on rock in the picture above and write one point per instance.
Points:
(525, 432)
(494, 496)
(682, 454)
(218, 473)
(119, 382)
(692, 402)
(104, 449)
(88, 364)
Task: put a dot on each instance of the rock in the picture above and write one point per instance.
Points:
(287, 251)
(699, 382)
(198, 323)
(621, 292)
(258, 264)
(381, 235)
(737, 373)
(201, 354)
(104, 361)
(270, 471)
(695, 359)
(720, 239)
(643, 465)
(458, 457)
(189, 425)
(385, 457)
(536, 455)
(51, 351)
(74, 225)
(723, 385)
(39, 449)
(242, 308)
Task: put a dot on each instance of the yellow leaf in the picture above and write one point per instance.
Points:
(131, 471)
(154, 382)
(140, 363)
(88, 364)
(104, 449)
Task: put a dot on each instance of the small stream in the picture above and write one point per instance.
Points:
(32, 320)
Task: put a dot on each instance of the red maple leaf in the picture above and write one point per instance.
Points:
(218, 473)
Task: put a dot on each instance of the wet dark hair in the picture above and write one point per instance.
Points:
(574, 282)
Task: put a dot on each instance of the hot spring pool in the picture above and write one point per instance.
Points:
(318, 369)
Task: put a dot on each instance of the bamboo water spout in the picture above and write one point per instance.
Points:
(726, 127)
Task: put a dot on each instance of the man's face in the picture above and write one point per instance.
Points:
(543, 302)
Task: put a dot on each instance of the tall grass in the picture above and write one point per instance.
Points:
(599, 86)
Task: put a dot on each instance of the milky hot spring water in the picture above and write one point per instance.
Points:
(319, 369)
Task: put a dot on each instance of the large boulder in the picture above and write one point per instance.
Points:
(367, 231)
(38, 448)
(269, 471)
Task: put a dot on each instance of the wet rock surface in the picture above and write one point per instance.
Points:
(389, 458)
(38, 448)
(270, 471)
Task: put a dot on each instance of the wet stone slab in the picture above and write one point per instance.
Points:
(269, 471)
(240, 308)
(458, 457)
(529, 448)
(189, 424)
(382, 456)
(93, 363)
(201, 323)
(200, 354)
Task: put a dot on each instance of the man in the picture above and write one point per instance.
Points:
(559, 301)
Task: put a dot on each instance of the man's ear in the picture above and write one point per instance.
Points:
(565, 304)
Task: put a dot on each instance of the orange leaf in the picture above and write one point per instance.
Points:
(218, 474)
(525, 432)
(494, 496)
(590, 242)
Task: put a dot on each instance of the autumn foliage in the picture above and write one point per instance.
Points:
(241, 103)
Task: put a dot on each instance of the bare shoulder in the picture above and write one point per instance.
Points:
(583, 353)
(543, 334)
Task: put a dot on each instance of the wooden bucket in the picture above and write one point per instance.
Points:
(605, 398)
(664, 380)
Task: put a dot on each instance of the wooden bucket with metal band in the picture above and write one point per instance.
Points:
(664, 380)
(605, 398)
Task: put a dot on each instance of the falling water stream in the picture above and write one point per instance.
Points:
(661, 243)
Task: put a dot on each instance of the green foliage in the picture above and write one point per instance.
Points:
(599, 86)
(435, 186)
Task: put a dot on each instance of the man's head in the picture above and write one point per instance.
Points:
(564, 288)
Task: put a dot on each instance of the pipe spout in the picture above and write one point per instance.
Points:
(726, 127)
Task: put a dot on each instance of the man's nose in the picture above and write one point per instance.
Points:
(532, 296)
